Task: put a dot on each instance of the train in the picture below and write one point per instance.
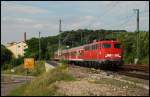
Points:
(103, 53)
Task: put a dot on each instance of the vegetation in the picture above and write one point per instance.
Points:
(6, 56)
(43, 84)
(79, 37)
(83, 36)
(38, 69)
(8, 60)
(129, 41)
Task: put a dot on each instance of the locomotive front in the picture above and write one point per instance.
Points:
(112, 53)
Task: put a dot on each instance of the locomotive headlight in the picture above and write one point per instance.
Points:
(108, 55)
(117, 55)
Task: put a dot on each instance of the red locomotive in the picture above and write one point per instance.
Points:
(99, 53)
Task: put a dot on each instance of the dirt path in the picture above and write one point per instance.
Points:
(9, 82)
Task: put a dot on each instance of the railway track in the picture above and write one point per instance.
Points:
(137, 71)
(143, 68)
(135, 74)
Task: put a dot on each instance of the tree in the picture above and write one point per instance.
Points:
(6, 55)
(73, 39)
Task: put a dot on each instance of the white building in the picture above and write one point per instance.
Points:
(17, 48)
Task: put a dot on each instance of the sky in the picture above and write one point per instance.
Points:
(32, 17)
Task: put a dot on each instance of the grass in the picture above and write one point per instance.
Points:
(20, 70)
(43, 84)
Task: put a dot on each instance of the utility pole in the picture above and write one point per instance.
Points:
(39, 47)
(81, 38)
(137, 31)
(59, 48)
(48, 49)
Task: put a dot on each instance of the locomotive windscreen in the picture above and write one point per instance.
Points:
(106, 45)
(118, 45)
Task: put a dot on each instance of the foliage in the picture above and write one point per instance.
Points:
(43, 85)
(83, 36)
(129, 41)
(64, 65)
(38, 69)
(6, 57)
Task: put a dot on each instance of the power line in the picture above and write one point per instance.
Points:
(110, 8)
(125, 22)
(106, 12)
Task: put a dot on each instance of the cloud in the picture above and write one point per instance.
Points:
(89, 18)
(32, 17)
(18, 8)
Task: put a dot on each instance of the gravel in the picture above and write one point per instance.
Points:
(85, 88)
(85, 84)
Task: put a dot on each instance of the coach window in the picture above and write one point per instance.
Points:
(96, 46)
(99, 46)
(106, 45)
(85, 48)
(88, 47)
(92, 47)
(118, 45)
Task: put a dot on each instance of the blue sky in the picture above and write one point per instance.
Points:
(18, 17)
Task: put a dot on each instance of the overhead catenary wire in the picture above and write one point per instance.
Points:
(111, 6)
(125, 21)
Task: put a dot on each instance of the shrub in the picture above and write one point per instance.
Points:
(43, 85)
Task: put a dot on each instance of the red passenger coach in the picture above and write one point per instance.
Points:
(99, 53)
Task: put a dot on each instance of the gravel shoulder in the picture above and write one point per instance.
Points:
(92, 82)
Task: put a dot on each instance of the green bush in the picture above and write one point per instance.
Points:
(38, 69)
(43, 84)
(144, 60)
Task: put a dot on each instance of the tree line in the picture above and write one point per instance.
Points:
(79, 37)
